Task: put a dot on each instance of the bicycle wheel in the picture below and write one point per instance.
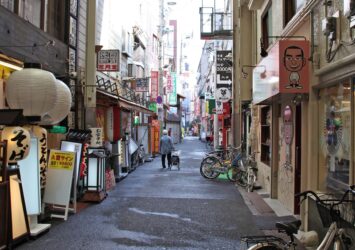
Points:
(232, 174)
(251, 178)
(265, 246)
(207, 166)
(241, 178)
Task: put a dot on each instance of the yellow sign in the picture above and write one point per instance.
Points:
(61, 160)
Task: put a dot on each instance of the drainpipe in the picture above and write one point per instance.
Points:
(90, 74)
(236, 112)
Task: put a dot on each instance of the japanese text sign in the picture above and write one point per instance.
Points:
(108, 60)
(62, 160)
(154, 85)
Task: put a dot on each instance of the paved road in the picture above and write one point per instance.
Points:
(154, 208)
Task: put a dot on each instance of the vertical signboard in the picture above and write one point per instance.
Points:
(173, 94)
(224, 75)
(154, 85)
(169, 84)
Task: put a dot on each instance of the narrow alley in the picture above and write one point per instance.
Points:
(154, 208)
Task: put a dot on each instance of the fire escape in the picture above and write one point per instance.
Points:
(216, 20)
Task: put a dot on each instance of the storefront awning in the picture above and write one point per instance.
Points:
(123, 103)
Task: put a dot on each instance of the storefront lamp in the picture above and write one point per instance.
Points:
(95, 183)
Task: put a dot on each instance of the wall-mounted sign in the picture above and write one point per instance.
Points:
(223, 94)
(223, 75)
(294, 66)
(108, 60)
(169, 84)
(224, 68)
(154, 87)
(142, 84)
(173, 94)
(96, 137)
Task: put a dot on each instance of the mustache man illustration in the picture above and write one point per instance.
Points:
(294, 61)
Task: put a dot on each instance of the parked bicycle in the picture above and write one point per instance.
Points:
(223, 162)
(336, 214)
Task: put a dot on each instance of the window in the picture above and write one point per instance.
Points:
(267, 27)
(56, 19)
(291, 8)
(30, 10)
(8, 4)
(335, 138)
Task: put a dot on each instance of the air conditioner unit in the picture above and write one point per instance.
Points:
(132, 70)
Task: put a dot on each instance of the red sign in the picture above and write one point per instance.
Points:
(294, 66)
(108, 60)
(154, 80)
(169, 85)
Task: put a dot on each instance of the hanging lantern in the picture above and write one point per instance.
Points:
(18, 143)
(31, 89)
(61, 107)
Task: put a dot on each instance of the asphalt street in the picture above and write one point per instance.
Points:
(155, 208)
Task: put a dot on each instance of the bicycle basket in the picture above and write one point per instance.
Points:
(342, 214)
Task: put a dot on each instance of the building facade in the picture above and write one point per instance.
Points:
(301, 118)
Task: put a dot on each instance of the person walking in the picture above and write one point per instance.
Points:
(166, 146)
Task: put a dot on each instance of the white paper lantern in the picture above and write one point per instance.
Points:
(62, 104)
(32, 90)
(18, 143)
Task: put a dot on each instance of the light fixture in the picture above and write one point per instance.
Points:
(95, 181)
(264, 53)
(262, 74)
(9, 65)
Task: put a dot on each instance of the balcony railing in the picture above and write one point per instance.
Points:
(215, 25)
(116, 88)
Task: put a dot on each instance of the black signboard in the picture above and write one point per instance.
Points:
(224, 69)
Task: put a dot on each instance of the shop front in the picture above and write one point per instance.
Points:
(135, 131)
(280, 89)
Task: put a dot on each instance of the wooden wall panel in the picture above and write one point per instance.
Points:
(17, 32)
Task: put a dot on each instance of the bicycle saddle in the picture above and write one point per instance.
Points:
(289, 228)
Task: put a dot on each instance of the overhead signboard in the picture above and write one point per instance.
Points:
(223, 75)
(108, 60)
